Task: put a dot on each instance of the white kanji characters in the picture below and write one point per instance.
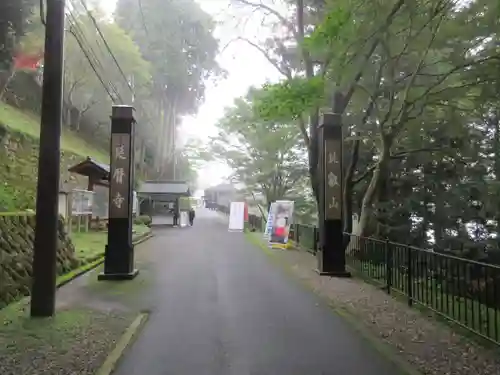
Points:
(332, 158)
(120, 152)
(119, 175)
(333, 203)
(118, 200)
(332, 180)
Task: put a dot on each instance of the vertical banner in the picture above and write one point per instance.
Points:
(270, 220)
(246, 213)
(282, 218)
(237, 217)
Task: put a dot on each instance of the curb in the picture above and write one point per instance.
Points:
(112, 359)
(96, 263)
(384, 349)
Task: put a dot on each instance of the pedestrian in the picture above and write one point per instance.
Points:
(191, 216)
(176, 217)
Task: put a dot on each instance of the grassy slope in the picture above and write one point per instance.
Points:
(75, 341)
(89, 246)
(30, 125)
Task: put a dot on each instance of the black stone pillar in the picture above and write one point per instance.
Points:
(331, 254)
(119, 252)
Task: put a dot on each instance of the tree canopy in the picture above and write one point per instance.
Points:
(176, 37)
(159, 61)
(267, 157)
(417, 86)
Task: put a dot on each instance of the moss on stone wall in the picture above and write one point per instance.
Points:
(17, 233)
(18, 170)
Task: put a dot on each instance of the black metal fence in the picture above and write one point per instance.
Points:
(305, 236)
(463, 291)
(256, 223)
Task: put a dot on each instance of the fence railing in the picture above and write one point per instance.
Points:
(305, 236)
(463, 291)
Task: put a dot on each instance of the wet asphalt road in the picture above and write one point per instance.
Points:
(222, 308)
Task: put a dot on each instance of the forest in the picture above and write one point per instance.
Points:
(417, 85)
(155, 54)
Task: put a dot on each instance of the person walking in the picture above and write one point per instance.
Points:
(191, 216)
(176, 214)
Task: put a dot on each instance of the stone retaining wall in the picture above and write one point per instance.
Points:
(17, 233)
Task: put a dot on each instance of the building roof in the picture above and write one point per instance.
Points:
(164, 187)
(221, 188)
(91, 168)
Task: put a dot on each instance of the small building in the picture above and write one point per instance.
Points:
(96, 172)
(160, 198)
(220, 196)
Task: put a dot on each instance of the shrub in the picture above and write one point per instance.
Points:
(143, 220)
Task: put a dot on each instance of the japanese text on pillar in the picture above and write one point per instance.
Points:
(119, 178)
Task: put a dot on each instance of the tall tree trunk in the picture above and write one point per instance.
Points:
(379, 177)
(313, 152)
(349, 186)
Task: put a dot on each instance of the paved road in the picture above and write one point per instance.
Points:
(222, 308)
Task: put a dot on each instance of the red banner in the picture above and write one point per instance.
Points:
(27, 62)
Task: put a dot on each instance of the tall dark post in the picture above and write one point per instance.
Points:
(331, 254)
(119, 252)
(43, 288)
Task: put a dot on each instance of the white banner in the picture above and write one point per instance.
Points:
(237, 216)
(183, 219)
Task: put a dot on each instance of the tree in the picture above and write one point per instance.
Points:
(84, 91)
(176, 38)
(14, 15)
(419, 89)
(267, 157)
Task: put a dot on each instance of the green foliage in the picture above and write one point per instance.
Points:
(83, 89)
(290, 99)
(267, 156)
(176, 38)
(330, 31)
(420, 86)
(143, 220)
(14, 15)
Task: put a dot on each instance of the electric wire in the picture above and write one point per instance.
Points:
(91, 56)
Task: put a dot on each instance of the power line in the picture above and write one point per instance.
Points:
(89, 54)
(110, 51)
(106, 45)
(91, 64)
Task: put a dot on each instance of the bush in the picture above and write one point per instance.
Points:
(143, 220)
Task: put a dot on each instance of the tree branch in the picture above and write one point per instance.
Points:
(365, 174)
(403, 154)
(388, 21)
(285, 72)
(274, 12)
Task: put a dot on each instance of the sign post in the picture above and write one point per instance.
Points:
(119, 252)
(331, 254)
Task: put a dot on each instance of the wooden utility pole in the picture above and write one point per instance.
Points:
(43, 288)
